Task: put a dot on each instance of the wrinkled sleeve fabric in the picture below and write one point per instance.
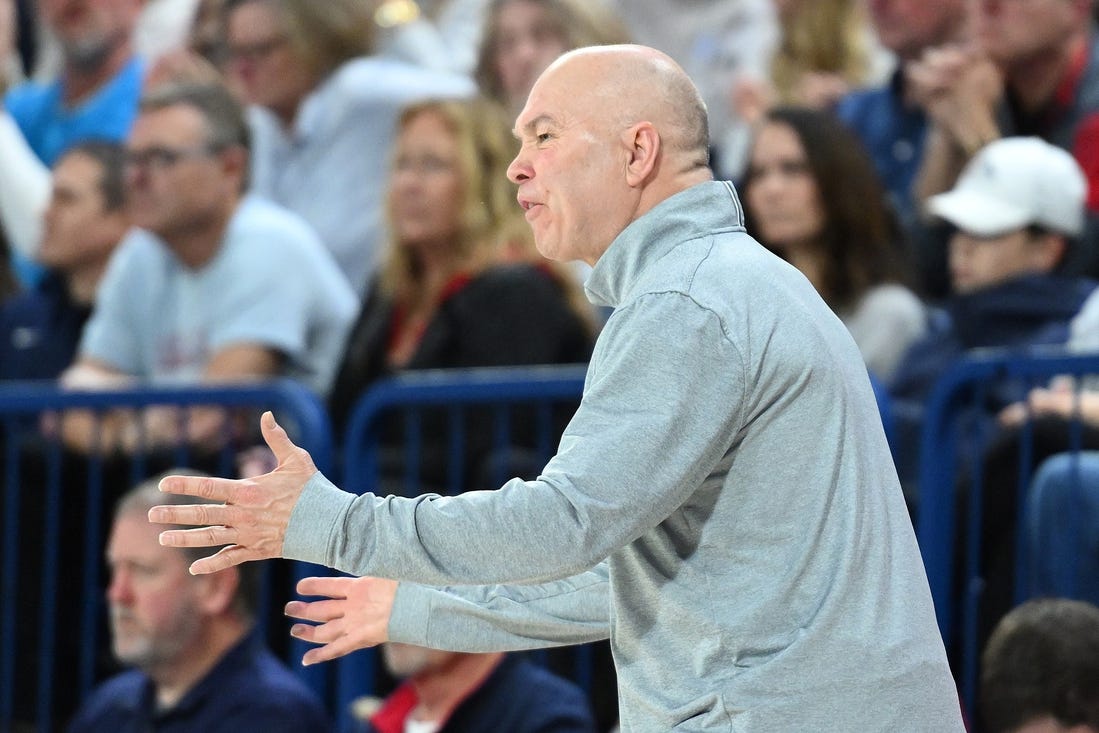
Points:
(504, 618)
(663, 396)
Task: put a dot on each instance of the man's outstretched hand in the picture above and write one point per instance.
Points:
(248, 515)
(354, 615)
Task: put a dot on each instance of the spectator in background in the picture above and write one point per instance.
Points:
(453, 692)
(812, 197)
(85, 221)
(887, 119)
(826, 48)
(522, 37)
(719, 43)
(323, 115)
(95, 96)
(442, 300)
(197, 663)
(1040, 670)
(215, 286)
(442, 35)
(1032, 70)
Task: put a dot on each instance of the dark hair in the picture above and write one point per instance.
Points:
(146, 495)
(111, 157)
(861, 236)
(1042, 660)
(224, 116)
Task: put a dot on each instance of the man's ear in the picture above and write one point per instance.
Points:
(1050, 250)
(221, 588)
(643, 143)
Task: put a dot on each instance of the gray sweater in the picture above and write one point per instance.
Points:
(723, 504)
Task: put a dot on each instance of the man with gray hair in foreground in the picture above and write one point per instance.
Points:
(723, 504)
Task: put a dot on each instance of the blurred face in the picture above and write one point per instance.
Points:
(907, 27)
(782, 197)
(1013, 32)
(154, 603)
(89, 30)
(405, 660)
(261, 61)
(77, 227)
(570, 180)
(426, 191)
(977, 263)
(529, 41)
(175, 182)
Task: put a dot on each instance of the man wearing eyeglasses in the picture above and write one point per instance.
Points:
(213, 286)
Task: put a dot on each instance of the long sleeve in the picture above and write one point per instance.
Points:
(24, 189)
(504, 618)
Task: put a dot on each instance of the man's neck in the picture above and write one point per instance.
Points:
(440, 691)
(79, 82)
(1034, 81)
(199, 243)
(173, 682)
(83, 282)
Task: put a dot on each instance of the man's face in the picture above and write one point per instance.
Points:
(569, 170)
(907, 27)
(981, 262)
(89, 29)
(406, 660)
(174, 181)
(1013, 32)
(78, 229)
(155, 610)
(261, 62)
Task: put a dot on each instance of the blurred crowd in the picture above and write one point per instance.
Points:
(217, 191)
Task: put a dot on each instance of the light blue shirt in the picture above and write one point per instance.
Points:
(271, 283)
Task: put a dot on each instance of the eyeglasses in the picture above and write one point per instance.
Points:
(253, 51)
(161, 158)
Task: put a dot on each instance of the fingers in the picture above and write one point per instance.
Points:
(225, 558)
(276, 438)
(199, 537)
(334, 650)
(214, 489)
(333, 587)
(205, 514)
(321, 611)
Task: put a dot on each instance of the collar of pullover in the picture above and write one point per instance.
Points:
(700, 210)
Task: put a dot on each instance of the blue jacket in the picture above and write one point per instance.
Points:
(40, 331)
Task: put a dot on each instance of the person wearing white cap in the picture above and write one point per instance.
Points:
(1016, 207)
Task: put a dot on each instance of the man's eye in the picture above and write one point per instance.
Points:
(542, 137)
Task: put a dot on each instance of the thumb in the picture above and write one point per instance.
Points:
(276, 438)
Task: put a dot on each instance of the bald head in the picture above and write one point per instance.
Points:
(607, 133)
(629, 83)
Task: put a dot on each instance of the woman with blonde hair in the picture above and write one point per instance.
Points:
(443, 298)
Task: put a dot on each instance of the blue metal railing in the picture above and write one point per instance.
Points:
(956, 424)
(21, 404)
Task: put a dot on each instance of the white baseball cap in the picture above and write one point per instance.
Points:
(1013, 183)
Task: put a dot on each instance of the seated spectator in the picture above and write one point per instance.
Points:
(86, 219)
(1040, 670)
(453, 692)
(323, 115)
(522, 37)
(441, 300)
(1062, 522)
(94, 97)
(197, 662)
(825, 49)
(1017, 208)
(215, 286)
(1031, 70)
(843, 238)
(887, 119)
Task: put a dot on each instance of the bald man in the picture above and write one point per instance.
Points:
(723, 504)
